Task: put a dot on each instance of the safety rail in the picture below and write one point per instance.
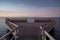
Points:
(45, 34)
(12, 25)
(11, 31)
(3, 37)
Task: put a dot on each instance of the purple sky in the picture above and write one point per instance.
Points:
(30, 8)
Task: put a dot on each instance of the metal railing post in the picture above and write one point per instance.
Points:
(14, 29)
(45, 33)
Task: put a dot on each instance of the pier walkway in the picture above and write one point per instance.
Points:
(23, 30)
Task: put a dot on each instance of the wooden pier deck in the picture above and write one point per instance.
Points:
(48, 23)
(29, 29)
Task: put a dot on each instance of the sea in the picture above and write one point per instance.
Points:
(4, 29)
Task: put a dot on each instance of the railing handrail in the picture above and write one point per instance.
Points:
(13, 24)
(8, 33)
(46, 33)
(51, 38)
(16, 26)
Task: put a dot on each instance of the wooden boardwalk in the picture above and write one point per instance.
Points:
(29, 30)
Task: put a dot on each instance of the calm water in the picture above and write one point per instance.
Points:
(4, 29)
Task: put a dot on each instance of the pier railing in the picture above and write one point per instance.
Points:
(6, 35)
(12, 25)
(14, 30)
(45, 34)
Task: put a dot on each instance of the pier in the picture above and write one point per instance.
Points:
(29, 29)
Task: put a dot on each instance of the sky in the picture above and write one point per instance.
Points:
(29, 8)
